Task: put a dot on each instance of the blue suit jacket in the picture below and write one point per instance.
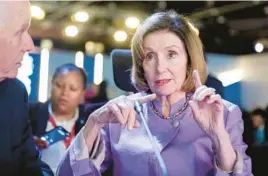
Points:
(18, 153)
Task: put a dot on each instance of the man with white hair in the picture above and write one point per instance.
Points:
(18, 153)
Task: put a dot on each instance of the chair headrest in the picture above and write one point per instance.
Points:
(122, 63)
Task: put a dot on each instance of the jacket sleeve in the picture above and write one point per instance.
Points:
(78, 160)
(235, 127)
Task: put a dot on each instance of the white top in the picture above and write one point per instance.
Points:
(53, 154)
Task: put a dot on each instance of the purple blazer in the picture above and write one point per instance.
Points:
(185, 148)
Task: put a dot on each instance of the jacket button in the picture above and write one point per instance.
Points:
(175, 123)
(82, 121)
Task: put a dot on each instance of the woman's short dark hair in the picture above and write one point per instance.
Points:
(259, 112)
(65, 68)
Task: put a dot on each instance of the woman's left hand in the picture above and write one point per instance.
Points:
(207, 108)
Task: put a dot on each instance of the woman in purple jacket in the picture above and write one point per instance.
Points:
(196, 132)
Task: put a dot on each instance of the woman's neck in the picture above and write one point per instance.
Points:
(61, 116)
(167, 101)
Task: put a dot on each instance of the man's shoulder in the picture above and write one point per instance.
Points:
(16, 83)
(13, 89)
(11, 84)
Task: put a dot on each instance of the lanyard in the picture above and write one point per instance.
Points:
(67, 140)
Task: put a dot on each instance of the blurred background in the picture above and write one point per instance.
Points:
(234, 34)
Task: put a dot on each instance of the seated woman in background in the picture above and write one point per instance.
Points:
(260, 132)
(63, 109)
(195, 130)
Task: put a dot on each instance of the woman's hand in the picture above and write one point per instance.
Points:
(120, 110)
(41, 144)
(207, 108)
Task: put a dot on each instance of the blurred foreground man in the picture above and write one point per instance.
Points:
(18, 154)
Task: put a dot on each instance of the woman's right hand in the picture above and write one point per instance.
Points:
(41, 144)
(121, 110)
